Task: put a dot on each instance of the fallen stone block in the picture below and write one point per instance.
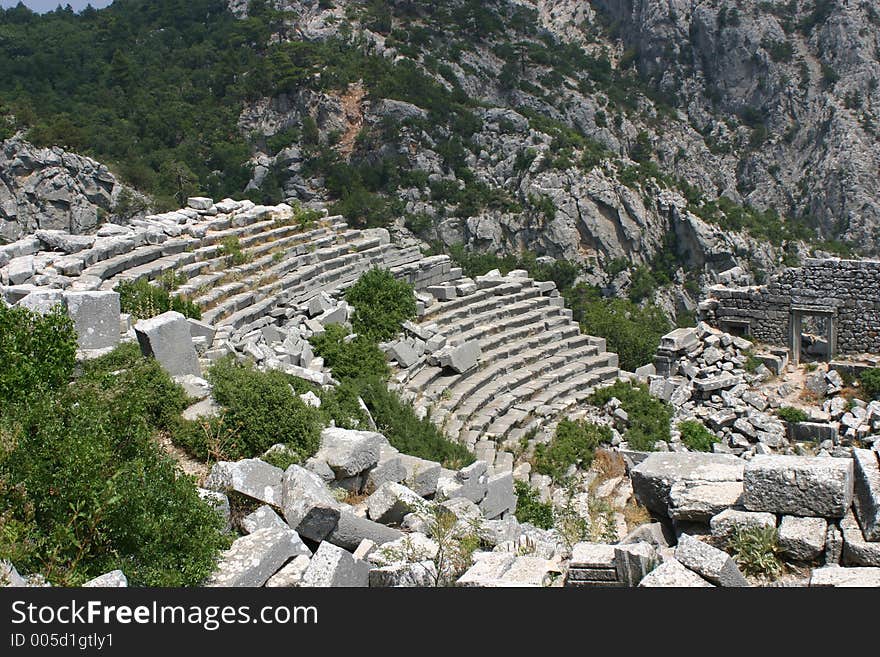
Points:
(389, 468)
(495, 532)
(471, 482)
(113, 579)
(725, 524)
(856, 550)
(672, 574)
(712, 564)
(634, 561)
(699, 501)
(421, 574)
(500, 497)
(403, 354)
(392, 501)
(309, 506)
(332, 566)
(652, 479)
(167, 339)
(251, 477)
(845, 577)
(254, 558)
(263, 518)
(42, 301)
(460, 358)
(799, 485)
(653, 533)
(20, 269)
(201, 203)
(290, 575)
(802, 539)
(866, 492)
(421, 475)
(95, 317)
(487, 569)
(349, 452)
(350, 530)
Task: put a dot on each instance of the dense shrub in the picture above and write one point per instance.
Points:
(262, 409)
(37, 352)
(381, 304)
(696, 437)
(870, 382)
(649, 417)
(353, 359)
(631, 331)
(84, 487)
(573, 444)
(143, 300)
(397, 421)
(529, 507)
(791, 414)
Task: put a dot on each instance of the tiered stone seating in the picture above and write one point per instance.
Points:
(535, 362)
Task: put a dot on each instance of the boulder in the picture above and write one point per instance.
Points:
(201, 203)
(403, 354)
(652, 479)
(349, 452)
(802, 539)
(95, 317)
(866, 492)
(470, 482)
(634, 561)
(709, 562)
(698, 501)
(672, 574)
(421, 574)
(254, 558)
(291, 574)
(725, 524)
(331, 566)
(113, 579)
(20, 270)
(460, 358)
(856, 550)
(799, 485)
(351, 530)
(263, 518)
(421, 475)
(391, 502)
(168, 340)
(308, 505)
(836, 576)
(251, 477)
(42, 301)
(500, 497)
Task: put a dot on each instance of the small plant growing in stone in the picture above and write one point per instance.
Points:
(756, 551)
(231, 247)
(696, 436)
(791, 414)
(529, 507)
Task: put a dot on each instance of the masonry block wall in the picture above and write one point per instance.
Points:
(847, 289)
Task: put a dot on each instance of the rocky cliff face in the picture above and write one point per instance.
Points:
(49, 188)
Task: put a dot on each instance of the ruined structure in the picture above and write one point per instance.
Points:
(842, 295)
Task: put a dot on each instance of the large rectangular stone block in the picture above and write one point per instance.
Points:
(867, 492)
(654, 477)
(95, 317)
(167, 338)
(799, 485)
(254, 558)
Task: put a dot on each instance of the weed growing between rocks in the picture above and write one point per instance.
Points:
(381, 304)
(756, 551)
(573, 444)
(791, 414)
(529, 507)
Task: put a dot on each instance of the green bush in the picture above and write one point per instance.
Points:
(84, 487)
(791, 414)
(143, 300)
(231, 248)
(397, 421)
(572, 444)
(696, 437)
(870, 382)
(381, 304)
(649, 417)
(262, 409)
(37, 352)
(633, 333)
(529, 507)
(756, 551)
(354, 359)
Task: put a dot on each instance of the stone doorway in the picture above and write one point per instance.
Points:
(820, 321)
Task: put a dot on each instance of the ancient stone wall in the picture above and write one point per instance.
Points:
(846, 290)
